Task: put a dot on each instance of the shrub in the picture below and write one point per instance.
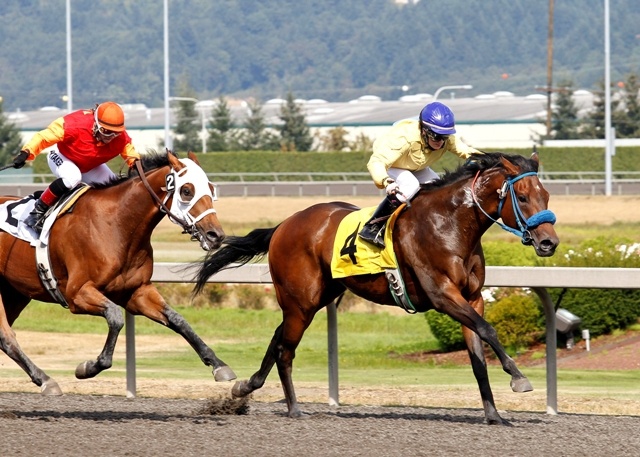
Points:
(251, 296)
(516, 318)
(180, 294)
(511, 253)
(446, 330)
(601, 310)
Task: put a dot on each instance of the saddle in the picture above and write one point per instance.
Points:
(352, 256)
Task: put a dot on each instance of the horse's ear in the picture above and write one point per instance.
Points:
(173, 161)
(510, 167)
(536, 160)
(193, 157)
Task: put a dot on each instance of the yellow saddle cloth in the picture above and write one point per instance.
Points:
(353, 256)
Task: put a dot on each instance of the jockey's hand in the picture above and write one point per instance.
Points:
(21, 159)
(392, 187)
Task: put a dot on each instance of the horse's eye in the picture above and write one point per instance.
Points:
(185, 193)
(522, 198)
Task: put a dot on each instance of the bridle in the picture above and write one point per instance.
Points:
(188, 223)
(524, 224)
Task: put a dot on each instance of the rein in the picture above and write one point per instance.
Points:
(524, 224)
(161, 205)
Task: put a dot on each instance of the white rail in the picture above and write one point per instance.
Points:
(536, 278)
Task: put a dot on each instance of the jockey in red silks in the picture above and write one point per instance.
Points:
(86, 140)
(401, 159)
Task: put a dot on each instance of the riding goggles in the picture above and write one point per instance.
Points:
(107, 134)
(436, 137)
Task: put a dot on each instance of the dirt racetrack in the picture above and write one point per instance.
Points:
(113, 425)
(75, 425)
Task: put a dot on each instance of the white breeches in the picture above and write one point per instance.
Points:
(71, 175)
(409, 181)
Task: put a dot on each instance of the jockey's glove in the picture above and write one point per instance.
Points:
(392, 188)
(21, 159)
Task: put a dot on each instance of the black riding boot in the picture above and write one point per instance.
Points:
(35, 219)
(373, 230)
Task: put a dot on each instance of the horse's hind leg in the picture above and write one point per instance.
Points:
(113, 315)
(148, 302)
(257, 380)
(281, 351)
(9, 344)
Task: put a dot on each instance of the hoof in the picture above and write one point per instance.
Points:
(521, 385)
(50, 388)
(238, 390)
(295, 413)
(497, 420)
(83, 370)
(224, 373)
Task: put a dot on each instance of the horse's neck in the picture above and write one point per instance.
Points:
(456, 205)
(139, 207)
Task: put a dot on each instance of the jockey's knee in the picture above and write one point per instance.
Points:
(60, 186)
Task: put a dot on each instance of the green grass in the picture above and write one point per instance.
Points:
(371, 370)
(240, 337)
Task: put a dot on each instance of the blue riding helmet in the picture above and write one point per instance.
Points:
(438, 118)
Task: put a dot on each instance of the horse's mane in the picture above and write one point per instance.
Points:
(151, 160)
(480, 162)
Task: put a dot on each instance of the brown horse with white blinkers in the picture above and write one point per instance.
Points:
(437, 245)
(101, 255)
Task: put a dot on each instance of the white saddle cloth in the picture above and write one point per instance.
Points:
(12, 216)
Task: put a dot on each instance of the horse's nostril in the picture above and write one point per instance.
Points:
(548, 245)
(215, 236)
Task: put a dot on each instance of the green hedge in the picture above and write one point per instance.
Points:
(552, 159)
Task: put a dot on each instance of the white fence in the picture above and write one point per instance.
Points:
(537, 279)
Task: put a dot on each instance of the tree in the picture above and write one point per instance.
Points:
(628, 122)
(594, 127)
(10, 139)
(625, 111)
(294, 132)
(188, 126)
(187, 130)
(333, 140)
(255, 136)
(564, 118)
(222, 133)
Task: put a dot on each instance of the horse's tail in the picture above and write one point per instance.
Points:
(236, 251)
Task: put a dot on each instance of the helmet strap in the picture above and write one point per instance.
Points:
(425, 138)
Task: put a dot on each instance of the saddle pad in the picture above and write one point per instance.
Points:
(13, 213)
(352, 256)
(12, 216)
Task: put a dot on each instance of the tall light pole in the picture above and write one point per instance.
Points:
(607, 104)
(549, 67)
(69, 73)
(461, 86)
(168, 141)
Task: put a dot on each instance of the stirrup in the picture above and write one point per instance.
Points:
(35, 222)
(373, 235)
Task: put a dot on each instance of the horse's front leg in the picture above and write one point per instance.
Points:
(91, 301)
(479, 365)
(148, 302)
(456, 306)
